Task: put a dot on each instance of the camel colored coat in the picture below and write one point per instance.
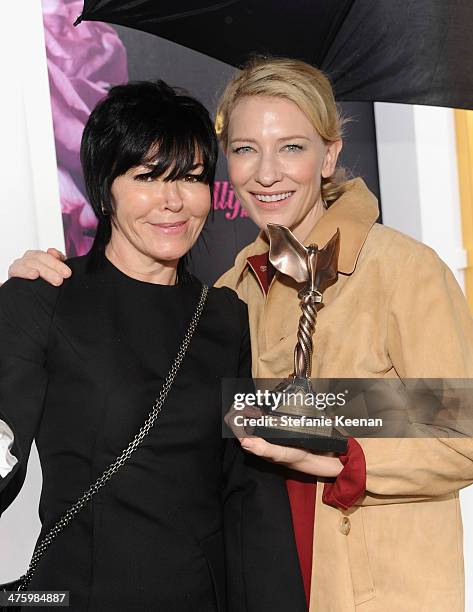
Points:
(395, 311)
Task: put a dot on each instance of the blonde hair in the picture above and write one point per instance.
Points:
(298, 82)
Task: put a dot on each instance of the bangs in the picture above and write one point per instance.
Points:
(170, 139)
(176, 156)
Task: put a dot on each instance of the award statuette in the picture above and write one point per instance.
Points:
(317, 269)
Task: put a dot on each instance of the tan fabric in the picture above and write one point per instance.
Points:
(395, 311)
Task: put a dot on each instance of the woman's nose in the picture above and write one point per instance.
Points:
(268, 171)
(170, 196)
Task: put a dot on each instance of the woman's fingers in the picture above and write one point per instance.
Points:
(56, 253)
(294, 458)
(273, 452)
(38, 263)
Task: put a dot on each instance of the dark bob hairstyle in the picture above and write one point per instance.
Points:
(143, 123)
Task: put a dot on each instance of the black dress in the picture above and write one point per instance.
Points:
(189, 523)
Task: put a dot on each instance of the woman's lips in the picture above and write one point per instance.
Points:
(272, 201)
(178, 227)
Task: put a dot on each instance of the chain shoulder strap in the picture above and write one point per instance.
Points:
(125, 454)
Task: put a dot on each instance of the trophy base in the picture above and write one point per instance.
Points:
(296, 439)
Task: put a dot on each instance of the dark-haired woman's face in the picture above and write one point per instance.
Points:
(155, 220)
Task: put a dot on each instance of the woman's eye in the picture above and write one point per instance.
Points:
(192, 178)
(242, 150)
(293, 147)
(144, 178)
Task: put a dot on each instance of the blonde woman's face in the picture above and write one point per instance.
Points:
(276, 160)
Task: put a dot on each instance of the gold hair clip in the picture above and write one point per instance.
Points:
(219, 123)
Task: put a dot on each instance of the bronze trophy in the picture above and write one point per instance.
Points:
(317, 269)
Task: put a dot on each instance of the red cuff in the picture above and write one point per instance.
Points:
(350, 484)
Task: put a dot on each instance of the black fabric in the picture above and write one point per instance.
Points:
(10, 586)
(80, 367)
(415, 51)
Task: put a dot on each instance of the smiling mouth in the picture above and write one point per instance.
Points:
(170, 228)
(274, 197)
(273, 200)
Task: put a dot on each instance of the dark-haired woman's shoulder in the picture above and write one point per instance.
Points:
(29, 304)
(230, 298)
(232, 308)
(226, 299)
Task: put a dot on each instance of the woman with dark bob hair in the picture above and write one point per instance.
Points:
(187, 523)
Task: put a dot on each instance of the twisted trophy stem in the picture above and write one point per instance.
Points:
(305, 346)
(309, 297)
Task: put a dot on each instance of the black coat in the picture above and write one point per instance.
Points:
(190, 523)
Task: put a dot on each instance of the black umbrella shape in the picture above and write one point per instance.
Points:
(408, 51)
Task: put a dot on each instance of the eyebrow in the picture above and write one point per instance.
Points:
(278, 140)
(193, 167)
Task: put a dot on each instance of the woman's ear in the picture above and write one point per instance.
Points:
(331, 155)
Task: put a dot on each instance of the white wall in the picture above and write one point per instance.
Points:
(29, 199)
(29, 213)
(420, 197)
(418, 177)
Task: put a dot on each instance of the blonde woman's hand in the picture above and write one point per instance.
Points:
(294, 458)
(47, 265)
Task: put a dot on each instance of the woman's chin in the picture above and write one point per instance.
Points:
(170, 252)
(168, 258)
(277, 219)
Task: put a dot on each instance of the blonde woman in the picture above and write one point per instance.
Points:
(384, 534)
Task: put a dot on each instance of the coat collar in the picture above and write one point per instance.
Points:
(354, 213)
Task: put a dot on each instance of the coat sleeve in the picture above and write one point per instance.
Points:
(25, 316)
(429, 335)
(262, 566)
